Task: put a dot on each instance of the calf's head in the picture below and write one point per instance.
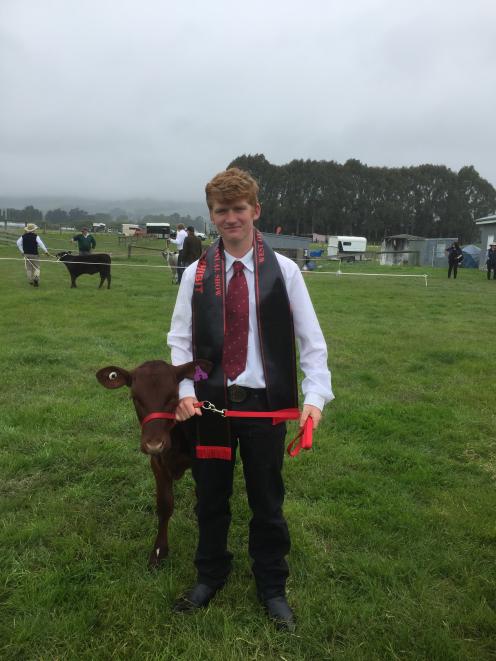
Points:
(154, 389)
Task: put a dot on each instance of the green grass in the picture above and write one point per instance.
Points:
(391, 515)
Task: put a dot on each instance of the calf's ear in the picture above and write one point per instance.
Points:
(197, 369)
(113, 377)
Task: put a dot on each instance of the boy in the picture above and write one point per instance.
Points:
(240, 279)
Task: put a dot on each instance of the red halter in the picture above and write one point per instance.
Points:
(161, 415)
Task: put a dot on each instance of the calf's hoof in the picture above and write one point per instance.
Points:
(156, 557)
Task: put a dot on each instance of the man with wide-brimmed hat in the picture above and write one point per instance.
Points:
(28, 244)
(491, 261)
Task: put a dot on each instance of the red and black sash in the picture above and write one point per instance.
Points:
(276, 334)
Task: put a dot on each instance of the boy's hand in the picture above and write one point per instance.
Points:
(313, 412)
(186, 409)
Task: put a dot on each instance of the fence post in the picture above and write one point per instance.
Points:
(129, 251)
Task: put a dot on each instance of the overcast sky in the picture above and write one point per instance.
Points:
(125, 98)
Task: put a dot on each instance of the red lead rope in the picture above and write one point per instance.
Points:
(302, 441)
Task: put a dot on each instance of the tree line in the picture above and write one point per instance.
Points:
(326, 197)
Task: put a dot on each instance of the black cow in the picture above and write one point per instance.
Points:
(93, 263)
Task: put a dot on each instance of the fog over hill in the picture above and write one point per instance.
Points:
(134, 207)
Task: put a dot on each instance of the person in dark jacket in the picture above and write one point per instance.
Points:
(28, 244)
(455, 258)
(192, 247)
(491, 261)
(86, 242)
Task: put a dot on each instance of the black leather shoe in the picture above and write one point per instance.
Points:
(280, 613)
(197, 597)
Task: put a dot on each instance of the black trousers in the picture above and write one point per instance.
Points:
(261, 447)
(452, 267)
(489, 268)
(180, 266)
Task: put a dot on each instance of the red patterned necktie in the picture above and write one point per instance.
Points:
(236, 335)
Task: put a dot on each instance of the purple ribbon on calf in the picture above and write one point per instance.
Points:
(199, 374)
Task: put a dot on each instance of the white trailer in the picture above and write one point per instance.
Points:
(158, 229)
(347, 247)
(129, 230)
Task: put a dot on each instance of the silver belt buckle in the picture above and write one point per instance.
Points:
(237, 393)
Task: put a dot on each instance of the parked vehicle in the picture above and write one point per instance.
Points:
(159, 229)
(347, 248)
(128, 229)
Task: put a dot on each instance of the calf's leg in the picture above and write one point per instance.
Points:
(165, 507)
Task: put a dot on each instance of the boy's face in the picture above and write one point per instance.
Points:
(234, 221)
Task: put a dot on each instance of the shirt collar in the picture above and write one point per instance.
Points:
(247, 260)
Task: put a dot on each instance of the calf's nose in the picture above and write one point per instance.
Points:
(153, 446)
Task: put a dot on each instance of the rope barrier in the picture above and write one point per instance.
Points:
(58, 261)
(379, 275)
(166, 266)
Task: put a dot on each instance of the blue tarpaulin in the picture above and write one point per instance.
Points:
(471, 256)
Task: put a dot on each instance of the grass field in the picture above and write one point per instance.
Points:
(392, 514)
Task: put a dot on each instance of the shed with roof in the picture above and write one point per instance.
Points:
(293, 247)
(415, 250)
(487, 226)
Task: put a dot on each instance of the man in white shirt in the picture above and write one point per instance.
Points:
(181, 235)
(278, 309)
(28, 245)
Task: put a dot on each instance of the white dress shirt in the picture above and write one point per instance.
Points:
(179, 240)
(316, 385)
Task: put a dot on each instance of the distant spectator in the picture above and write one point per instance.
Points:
(491, 261)
(85, 241)
(192, 247)
(181, 235)
(455, 258)
(28, 245)
(278, 229)
(306, 261)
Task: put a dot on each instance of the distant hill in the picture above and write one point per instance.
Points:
(134, 207)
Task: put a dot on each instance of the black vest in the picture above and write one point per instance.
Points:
(29, 245)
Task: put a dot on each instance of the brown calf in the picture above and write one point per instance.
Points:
(154, 388)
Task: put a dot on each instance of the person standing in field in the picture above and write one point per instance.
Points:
(241, 306)
(192, 247)
(86, 241)
(491, 261)
(455, 258)
(181, 235)
(29, 244)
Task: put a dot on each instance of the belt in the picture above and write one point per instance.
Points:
(238, 394)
